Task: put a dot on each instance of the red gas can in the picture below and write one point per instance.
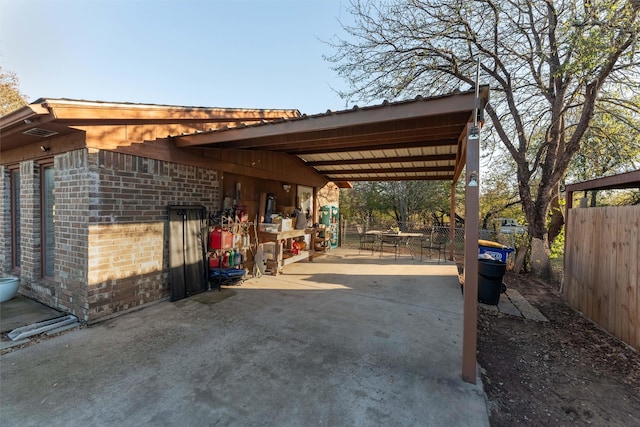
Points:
(220, 239)
(225, 260)
(214, 261)
(295, 248)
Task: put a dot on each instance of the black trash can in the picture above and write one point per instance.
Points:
(490, 274)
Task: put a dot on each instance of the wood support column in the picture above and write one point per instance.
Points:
(470, 323)
(452, 220)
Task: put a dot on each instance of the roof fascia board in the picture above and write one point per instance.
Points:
(447, 127)
(360, 117)
(85, 110)
(27, 113)
(620, 181)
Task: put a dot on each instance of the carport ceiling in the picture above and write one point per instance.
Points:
(419, 139)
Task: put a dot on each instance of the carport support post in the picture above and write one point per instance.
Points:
(470, 324)
(452, 220)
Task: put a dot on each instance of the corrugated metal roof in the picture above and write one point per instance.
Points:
(418, 139)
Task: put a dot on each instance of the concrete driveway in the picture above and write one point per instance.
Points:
(348, 339)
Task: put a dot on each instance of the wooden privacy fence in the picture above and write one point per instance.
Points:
(601, 274)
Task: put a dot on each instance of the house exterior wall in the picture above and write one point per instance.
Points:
(31, 282)
(67, 289)
(111, 231)
(128, 230)
(71, 195)
(30, 222)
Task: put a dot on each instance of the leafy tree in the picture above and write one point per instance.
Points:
(409, 199)
(399, 202)
(612, 146)
(10, 97)
(549, 64)
(499, 197)
(362, 202)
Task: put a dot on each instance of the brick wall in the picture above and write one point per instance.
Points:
(31, 282)
(30, 262)
(128, 231)
(67, 290)
(111, 230)
(72, 184)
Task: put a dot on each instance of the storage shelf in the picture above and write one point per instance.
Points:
(295, 258)
(278, 259)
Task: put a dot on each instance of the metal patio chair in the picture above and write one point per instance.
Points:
(366, 239)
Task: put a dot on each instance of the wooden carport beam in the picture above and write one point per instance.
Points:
(428, 158)
(374, 145)
(425, 169)
(447, 177)
(470, 323)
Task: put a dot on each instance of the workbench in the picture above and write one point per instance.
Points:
(282, 238)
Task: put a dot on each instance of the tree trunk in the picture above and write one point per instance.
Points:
(521, 257)
(536, 213)
(540, 259)
(594, 198)
(557, 220)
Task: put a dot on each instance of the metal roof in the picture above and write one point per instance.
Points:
(418, 139)
(620, 181)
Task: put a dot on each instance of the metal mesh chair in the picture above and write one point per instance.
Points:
(388, 240)
(366, 239)
(434, 242)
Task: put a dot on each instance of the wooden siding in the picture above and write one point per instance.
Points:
(54, 145)
(602, 278)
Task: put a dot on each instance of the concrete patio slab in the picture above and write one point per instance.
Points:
(347, 339)
(22, 311)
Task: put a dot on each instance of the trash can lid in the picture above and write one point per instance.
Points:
(491, 244)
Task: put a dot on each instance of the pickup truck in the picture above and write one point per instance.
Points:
(510, 226)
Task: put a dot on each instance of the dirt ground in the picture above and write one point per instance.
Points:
(563, 372)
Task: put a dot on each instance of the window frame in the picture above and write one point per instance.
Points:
(42, 166)
(16, 230)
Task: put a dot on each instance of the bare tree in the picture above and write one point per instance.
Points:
(549, 63)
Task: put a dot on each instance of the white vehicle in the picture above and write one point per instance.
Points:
(510, 226)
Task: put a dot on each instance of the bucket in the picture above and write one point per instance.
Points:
(8, 288)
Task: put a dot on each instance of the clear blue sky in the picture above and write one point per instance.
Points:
(241, 53)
